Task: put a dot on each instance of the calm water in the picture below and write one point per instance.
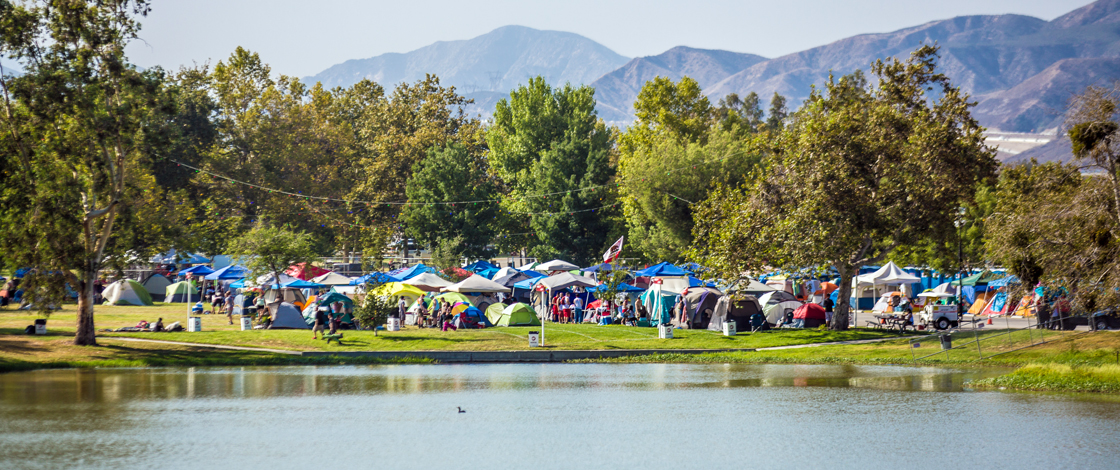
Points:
(544, 416)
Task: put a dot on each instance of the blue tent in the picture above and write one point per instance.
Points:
(623, 287)
(661, 269)
(298, 284)
(375, 277)
(173, 257)
(227, 273)
(488, 273)
(479, 266)
(694, 282)
(197, 271)
(405, 274)
(660, 305)
(472, 315)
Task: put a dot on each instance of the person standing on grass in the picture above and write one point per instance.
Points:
(216, 302)
(320, 321)
(229, 305)
(402, 307)
(829, 305)
(577, 310)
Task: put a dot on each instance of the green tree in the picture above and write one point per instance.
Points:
(271, 250)
(553, 157)
(776, 120)
(83, 128)
(451, 174)
(857, 173)
(742, 114)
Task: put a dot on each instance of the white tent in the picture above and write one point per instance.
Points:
(889, 275)
(332, 279)
(564, 280)
(945, 290)
(267, 279)
(719, 315)
(475, 283)
(506, 271)
(555, 265)
(776, 304)
(428, 282)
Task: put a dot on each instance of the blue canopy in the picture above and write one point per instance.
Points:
(375, 277)
(197, 270)
(480, 266)
(998, 283)
(405, 274)
(173, 257)
(528, 283)
(228, 272)
(238, 284)
(488, 273)
(694, 282)
(299, 284)
(624, 287)
(601, 267)
(661, 269)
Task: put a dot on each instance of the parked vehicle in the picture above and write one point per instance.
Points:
(941, 317)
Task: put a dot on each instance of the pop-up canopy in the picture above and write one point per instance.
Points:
(555, 265)
(476, 283)
(428, 282)
(889, 275)
(565, 280)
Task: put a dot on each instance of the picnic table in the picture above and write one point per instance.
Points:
(891, 322)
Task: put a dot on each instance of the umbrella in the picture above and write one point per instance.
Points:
(827, 288)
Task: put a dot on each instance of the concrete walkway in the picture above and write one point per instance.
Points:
(533, 355)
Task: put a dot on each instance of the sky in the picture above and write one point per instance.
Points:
(301, 38)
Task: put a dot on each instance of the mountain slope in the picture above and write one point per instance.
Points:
(1039, 103)
(495, 61)
(616, 91)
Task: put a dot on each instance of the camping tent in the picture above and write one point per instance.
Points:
(451, 298)
(750, 287)
(811, 315)
(514, 277)
(555, 265)
(517, 314)
(476, 283)
(480, 266)
(332, 279)
(126, 292)
(700, 305)
(305, 271)
(179, 292)
(740, 312)
(659, 304)
(468, 316)
(156, 285)
(775, 305)
(286, 316)
(268, 279)
(427, 282)
(396, 290)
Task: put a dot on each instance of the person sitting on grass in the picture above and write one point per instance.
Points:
(159, 325)
(447, 320)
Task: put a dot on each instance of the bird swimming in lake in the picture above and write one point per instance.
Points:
(461, 410)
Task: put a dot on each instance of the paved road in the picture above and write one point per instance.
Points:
(1013, 322)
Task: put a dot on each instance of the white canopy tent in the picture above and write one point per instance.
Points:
(565, 280)
(888, 275)
(475, 283)
(332, 279)
(555, 265)
(268, 280)
(428, 282)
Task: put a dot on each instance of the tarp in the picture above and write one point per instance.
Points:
(982, 278)
(555, 265)
(179, 291)
(662, 269)
(599, 268)
(287, 316)
(889, 275)
(695, 282)
(228, 273)
(196, 271)
(156, 285)
(173, 257)
(565, 280)
(476, 283)
(374, 278)
(126, 292)
(622, 287)
(428, 282)
(480, 266)
(517, 314)
(1003, 282)
(268, 279)
(305, 271)
(332, 279)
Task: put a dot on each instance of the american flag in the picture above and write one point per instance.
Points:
(613, 252)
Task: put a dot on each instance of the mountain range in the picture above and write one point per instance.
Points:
(1022, 70)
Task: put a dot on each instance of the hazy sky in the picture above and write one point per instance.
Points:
(301, 38)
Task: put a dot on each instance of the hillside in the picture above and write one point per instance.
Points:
(495, 61)
(1039, 103)
(616, 91)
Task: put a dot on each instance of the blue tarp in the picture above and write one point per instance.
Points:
(996, 284)
(479, 266)
(405, 274)
(227, 273)
(694, 282)
(601, 267)
(624, 287)
(298, 284)
(238, 284)
(527, 284)
(173, 257)
(661, 269)
(375, 277)
(488, 273)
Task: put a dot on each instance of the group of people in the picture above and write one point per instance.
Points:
(566, 308)
(437, 315)
(328, 320)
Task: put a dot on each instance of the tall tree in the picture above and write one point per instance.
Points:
(449, 175)
(271, 250)
(776, 120)
(553, 156)
(856, 173)
(83, 129)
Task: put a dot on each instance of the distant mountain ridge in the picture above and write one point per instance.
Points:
(495, 61)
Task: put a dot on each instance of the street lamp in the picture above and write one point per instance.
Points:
(959, 223)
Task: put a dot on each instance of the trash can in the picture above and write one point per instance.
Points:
(394, 324)
(729, 328)
(534, 339)
(946, 341)
(41, 326)
(246, 323)
(665, 331)
(194, 324)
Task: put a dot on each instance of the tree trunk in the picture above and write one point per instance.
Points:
(86, 335)
(843, 300)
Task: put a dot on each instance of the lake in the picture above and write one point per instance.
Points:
(521, 416)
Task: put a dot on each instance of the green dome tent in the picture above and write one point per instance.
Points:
(179, 291)
(126, 292)
(518, 314)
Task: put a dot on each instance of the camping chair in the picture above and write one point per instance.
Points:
(758, 323)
